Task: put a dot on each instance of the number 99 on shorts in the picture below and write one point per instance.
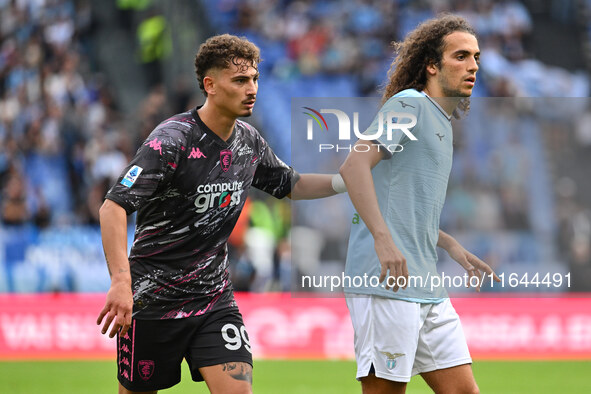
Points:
(235, 337)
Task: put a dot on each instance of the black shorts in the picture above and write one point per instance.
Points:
(149, 356)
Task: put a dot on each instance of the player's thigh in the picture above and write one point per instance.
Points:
(374, 385)
(454, 380)
(229, 377)
(442, 343)
(149, 356)
(219, 352)
(386, 336)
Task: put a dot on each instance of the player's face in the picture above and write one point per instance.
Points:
(459, 64)
(236, 88)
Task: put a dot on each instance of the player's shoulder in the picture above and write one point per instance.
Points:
(409, 93)
(247, 128)
(248, 132)
(177, 128)
(171, 135)
(177, 125)
(408, 100)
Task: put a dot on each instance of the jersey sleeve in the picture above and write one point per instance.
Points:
(153, 164)
(272, 175)
(394, 123)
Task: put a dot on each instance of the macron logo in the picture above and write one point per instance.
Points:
(196, 154)
(156, 145)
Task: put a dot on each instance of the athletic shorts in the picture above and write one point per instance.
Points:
(149, 356)
(398, 339)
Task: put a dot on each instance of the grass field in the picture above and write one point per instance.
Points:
(296, 377)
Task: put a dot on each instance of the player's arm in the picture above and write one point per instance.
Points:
(356, 172)
(119, 303)
(311, 186)
(472, 264)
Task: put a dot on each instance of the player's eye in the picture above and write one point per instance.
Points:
(461, 57)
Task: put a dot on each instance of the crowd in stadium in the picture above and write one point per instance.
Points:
(64, 140)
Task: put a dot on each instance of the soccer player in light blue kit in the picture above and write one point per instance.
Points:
(410, 327)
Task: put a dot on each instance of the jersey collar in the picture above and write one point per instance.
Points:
(436, 104)
(210, 132)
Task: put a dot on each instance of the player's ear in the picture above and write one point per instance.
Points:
(431, 69)
(209, 84)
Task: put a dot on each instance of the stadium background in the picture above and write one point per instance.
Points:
(82, 83)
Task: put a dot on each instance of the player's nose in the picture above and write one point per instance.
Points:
(473, 65)
(251, 88)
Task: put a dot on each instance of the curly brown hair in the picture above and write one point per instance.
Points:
(421, 47)
(218, 52)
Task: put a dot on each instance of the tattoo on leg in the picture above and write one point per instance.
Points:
(239, 371)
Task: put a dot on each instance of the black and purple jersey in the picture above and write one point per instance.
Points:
(189, 186)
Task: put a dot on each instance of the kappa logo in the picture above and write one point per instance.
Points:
(440, 136)
(391, 359)
(196, 154)
(146, 368)
(156, 145)
(131, 176)
(225, 159)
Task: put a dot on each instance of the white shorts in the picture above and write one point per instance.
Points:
(401, 339)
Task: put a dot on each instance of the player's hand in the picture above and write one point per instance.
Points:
(118, 309)
(472, 264)
(393, 263)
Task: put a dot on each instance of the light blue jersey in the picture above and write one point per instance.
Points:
(410, 188)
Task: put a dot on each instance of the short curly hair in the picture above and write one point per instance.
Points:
(218, 52)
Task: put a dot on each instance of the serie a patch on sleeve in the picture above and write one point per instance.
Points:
(131, 176)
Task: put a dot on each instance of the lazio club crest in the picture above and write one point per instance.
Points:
(391, 359)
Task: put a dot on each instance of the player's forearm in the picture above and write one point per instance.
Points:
(113, 219)
(311, 186)
(446, 241)
(361, 189)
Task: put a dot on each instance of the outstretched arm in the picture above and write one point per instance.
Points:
(312, 186)
(356, 172)
(472, 264)
(119, 303)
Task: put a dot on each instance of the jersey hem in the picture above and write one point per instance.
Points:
(393, 297)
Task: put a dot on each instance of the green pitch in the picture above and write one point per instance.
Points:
(296, 377)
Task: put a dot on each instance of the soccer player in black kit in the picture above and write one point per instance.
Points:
(172, 297)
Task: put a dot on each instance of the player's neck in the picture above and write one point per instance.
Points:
(221, 124)
(448, 104)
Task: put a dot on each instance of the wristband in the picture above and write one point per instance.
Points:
(338, 184)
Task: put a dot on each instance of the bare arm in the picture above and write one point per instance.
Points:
(472, 264)
(356, 172)
(119, 303)
(312, 186)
